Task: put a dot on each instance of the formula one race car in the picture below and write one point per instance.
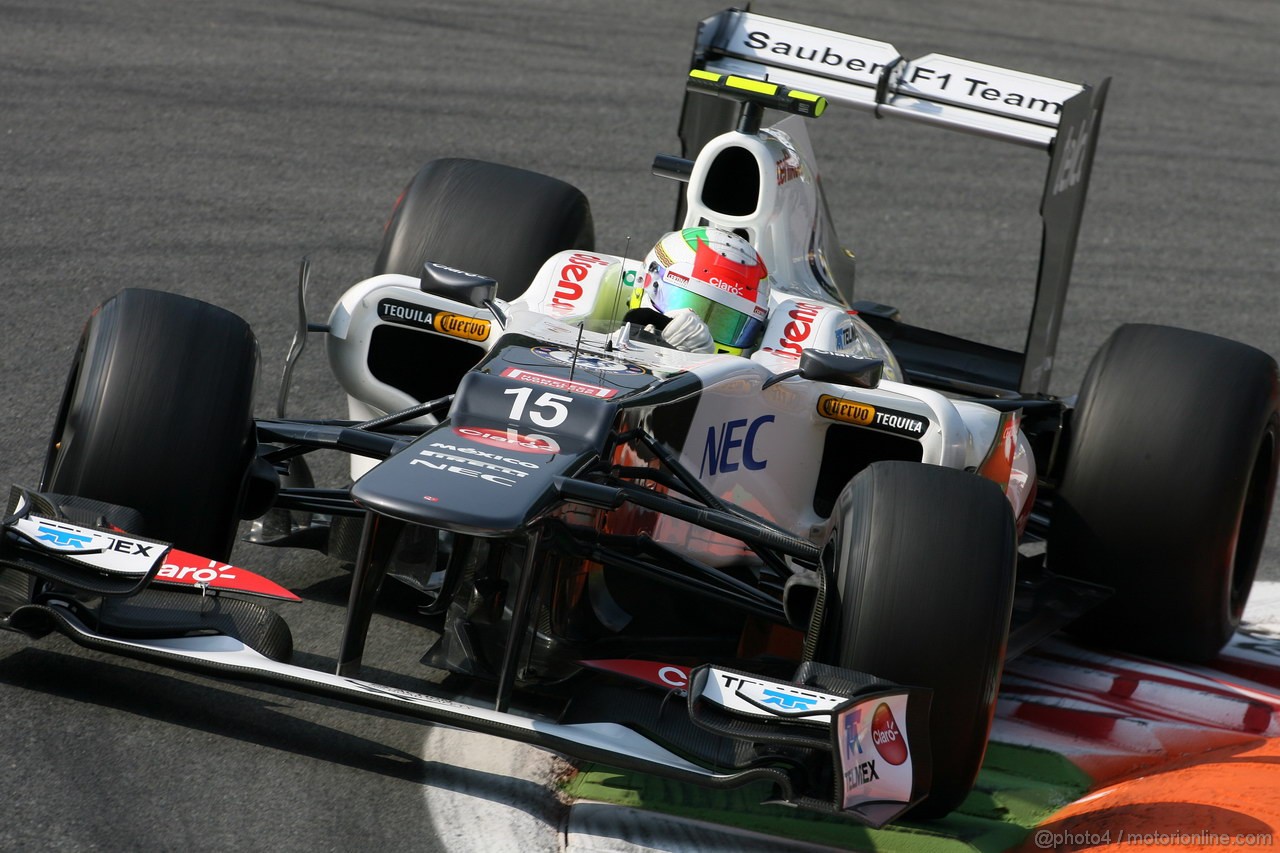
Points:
(805, 566)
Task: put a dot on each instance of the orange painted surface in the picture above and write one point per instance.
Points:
(1184, 758)
(1228, 799)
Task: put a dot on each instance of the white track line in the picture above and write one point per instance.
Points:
(1262, 615)
(488, 795)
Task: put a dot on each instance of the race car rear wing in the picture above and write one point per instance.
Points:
(1059, 117)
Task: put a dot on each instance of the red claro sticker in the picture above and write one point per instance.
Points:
(182, 568)
(666, 675)
(509, 439)
(887, 737)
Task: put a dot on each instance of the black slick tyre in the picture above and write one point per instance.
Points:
(1167, 488)
(924, 560)
(484, 218)
(157, 416)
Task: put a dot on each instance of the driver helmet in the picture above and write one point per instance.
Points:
(716, 274)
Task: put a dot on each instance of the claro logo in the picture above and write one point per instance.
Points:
(797, 332)
(509, 439)
(887, 737)
(734, 287)
(569, 287)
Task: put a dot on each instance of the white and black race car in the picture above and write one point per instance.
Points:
(806, 566)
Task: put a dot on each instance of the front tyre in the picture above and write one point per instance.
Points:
(924, 560)
(1167, 488)
(157, 416)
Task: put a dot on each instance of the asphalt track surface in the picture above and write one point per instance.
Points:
(204, 147)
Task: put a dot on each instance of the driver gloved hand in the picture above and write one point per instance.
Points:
(688, 333)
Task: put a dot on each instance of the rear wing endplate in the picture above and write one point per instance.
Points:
(1055, 116)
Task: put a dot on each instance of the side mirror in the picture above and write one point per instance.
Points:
(459, 285)
(840, 369)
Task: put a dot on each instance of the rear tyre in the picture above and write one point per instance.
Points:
(157, 416)
(1167, 488)
(924, 559)
(485, 218)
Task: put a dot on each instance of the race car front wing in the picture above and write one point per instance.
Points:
(828, 739)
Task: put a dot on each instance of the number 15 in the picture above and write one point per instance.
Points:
(549, 410)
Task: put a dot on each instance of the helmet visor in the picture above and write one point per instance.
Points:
(728, 326)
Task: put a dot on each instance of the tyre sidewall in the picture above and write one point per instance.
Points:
(924, 560)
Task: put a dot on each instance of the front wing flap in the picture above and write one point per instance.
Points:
(44, 537)
(876, 733)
